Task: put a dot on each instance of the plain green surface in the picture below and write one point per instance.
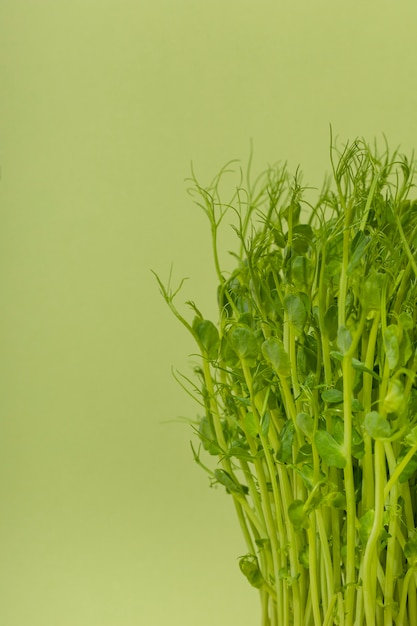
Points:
(104, 518)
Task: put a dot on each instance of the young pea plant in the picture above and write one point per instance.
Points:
(307, 385)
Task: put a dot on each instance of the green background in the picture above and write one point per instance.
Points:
(104, 518)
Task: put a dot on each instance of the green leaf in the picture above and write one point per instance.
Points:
(377, 427)
(356, 405)
(302, 238)
(296, 311)
(338, 429)
(329, 450)
(308, 475)
(406, 321)
(227, 481)
(305, 454)
(411, 438)
(286, 440)
(297, 514)
(371, 291)
(332, 396)
(239, 451)
(305, 423)
(344, 339)
(265, 422)
(391, 345)
(394, 400)
(301, 270)
(406, 348)
(249, 567)
(274, 352)
(207, 436)
(208, 336)
(358, 445)
(410, 548)
(303, 557)
(361, 367)
(331, 322)
(358, 247)
(244, 343)
(251, 426)
(365, 526)
(335, 499)
(229, 356)
(307, 358)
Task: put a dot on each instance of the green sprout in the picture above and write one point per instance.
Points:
(307, 387)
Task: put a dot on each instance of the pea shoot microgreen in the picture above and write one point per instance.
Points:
(307, 387)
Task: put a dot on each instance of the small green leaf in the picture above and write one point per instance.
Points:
(338, 429)
(377, 427)
(406, 348)
(244, 342)
(208, 438)
(249, 567)
(358, 446)
(371, 291)
(391, 345)
(297, 514)
(305, 423)
(208, 336)
(365, 526)
(361, 367)
(251, 426)
(344, 339)
(410, 548)
(358, 247)
(308, 475)
(239, 451)
(229, 356)
(296, 311)
(274, 352)
(356, 405)
(302, 238)
(301, 270)
(411, 438)
(335, 499)
(265, 422)
(306, 359)
(329, 450)
(406, 321)
(303, 557)
(394, 400)
(286, 440)
(332, 396)
(330, 322)
(305, 454)
(227, 481)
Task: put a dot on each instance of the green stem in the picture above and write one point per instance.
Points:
(403, 600)
(314, 575)
(349, 491)
(399, 469)
(271, 523)
(370, 557)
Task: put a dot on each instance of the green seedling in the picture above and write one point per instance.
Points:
(307, 387)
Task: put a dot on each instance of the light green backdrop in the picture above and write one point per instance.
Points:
(104, 518)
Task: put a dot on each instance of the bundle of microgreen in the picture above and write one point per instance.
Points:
(308, 388)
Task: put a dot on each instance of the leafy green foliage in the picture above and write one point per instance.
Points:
(308, 386)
